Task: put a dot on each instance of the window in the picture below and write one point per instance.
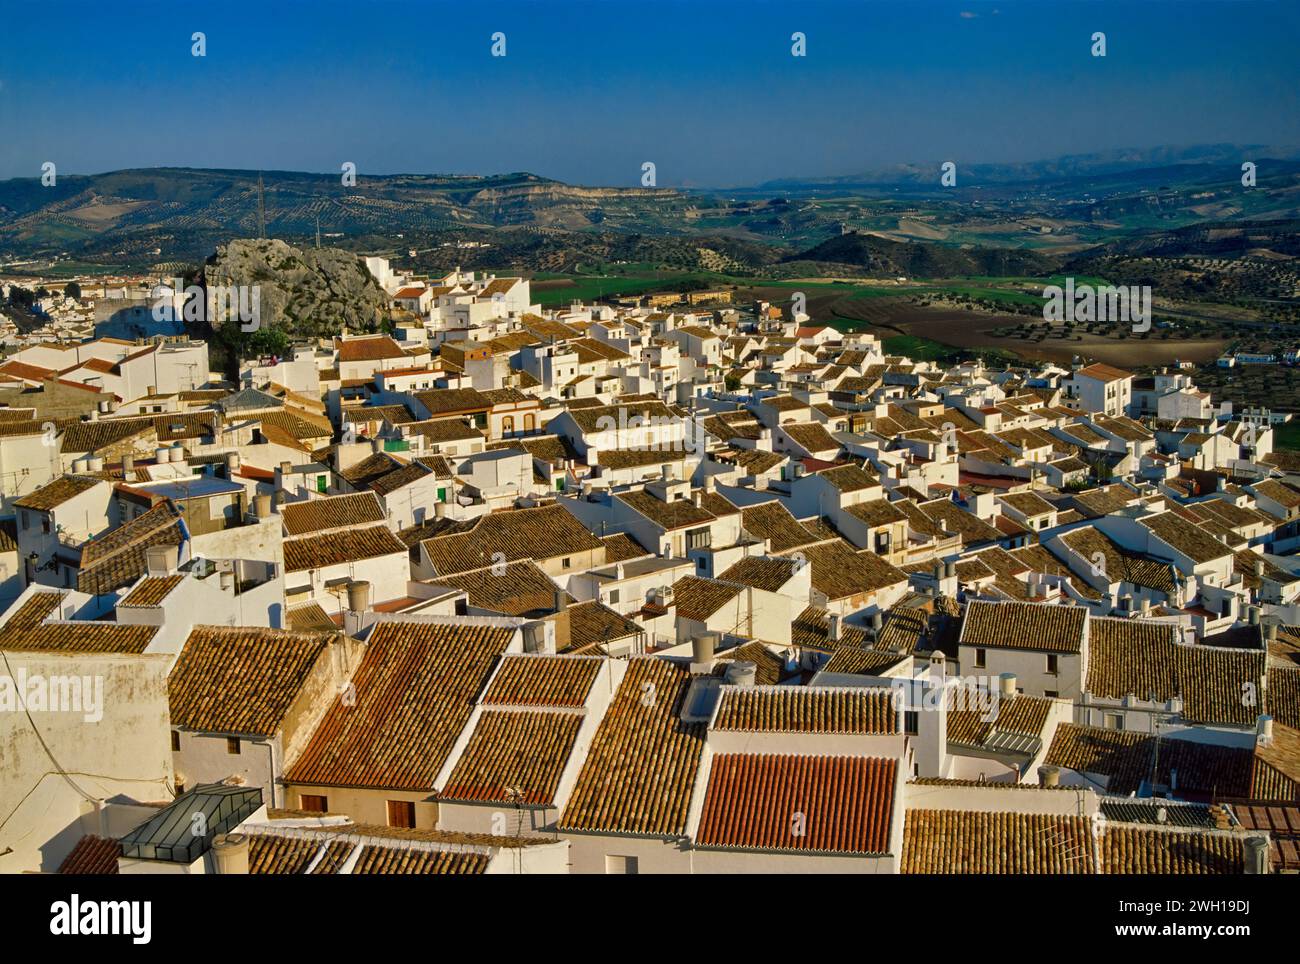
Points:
(568, 563)
(980, 657)
(1051, 694)
(313, 803)
(176, 740)
(232, 745)
(615, 864)
(401, 813)
(507, 425)
(1113, 721)
(699, 538)
(45, 524)
(613, 595)
(1052, 665)
(911, 722)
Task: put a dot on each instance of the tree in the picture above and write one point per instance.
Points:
(72, 290)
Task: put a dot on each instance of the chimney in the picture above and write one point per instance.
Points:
(558, 603)
(1256, 854)
(358, 596)
(1259, 568)
(128, 468)
(262, 506)
(932, 720)
(1007, 686)
(833, 628)
(697, 499)
(158, 560)
(1049, 776)
(1264, 730)
(1252, 615)
(286, 469)
(703, 646)
(230, 851)
(232, 464)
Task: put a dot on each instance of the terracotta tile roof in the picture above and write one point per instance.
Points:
(1047, 628)
(811, 436)
(641, 768)
(1037, 559)
(839, 572)
(541, 533)
(399, 860)
(1193, 542)
(331, 512)
(519, 588)
(1157, 850)
(334, 548)
(951, 518)
(1283, 826)
(1122, 564)
(772, 521)
(1145, 659)
(668, 515)
(1283, 695)
(699, 598)
(1276, 773)
(592, 626)
(811, 629)
(798, 709)
(78, 636)
(56, 493)
(621, 547)
(445, 430)
(297, 424)
(1279, 492)
(761, 572)
(35, 609)
(308, 618)
(861, 661)
(120, 556)
(242, 680)
(526, 679)
(850, 478)
(367, 348)
(1127, 758)
(820, 804)
(92, 855)
(1104, 373)
(978, 842)
(414, 692)
(514, 756)
(876, 512)
(1020, 715)
(370, 469)
(152, 590)
(453, 401)
(270, 853)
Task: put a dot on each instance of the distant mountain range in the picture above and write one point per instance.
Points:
(1209, 159)
(896, 220)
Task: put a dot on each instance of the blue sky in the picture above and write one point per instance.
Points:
(588, 91)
